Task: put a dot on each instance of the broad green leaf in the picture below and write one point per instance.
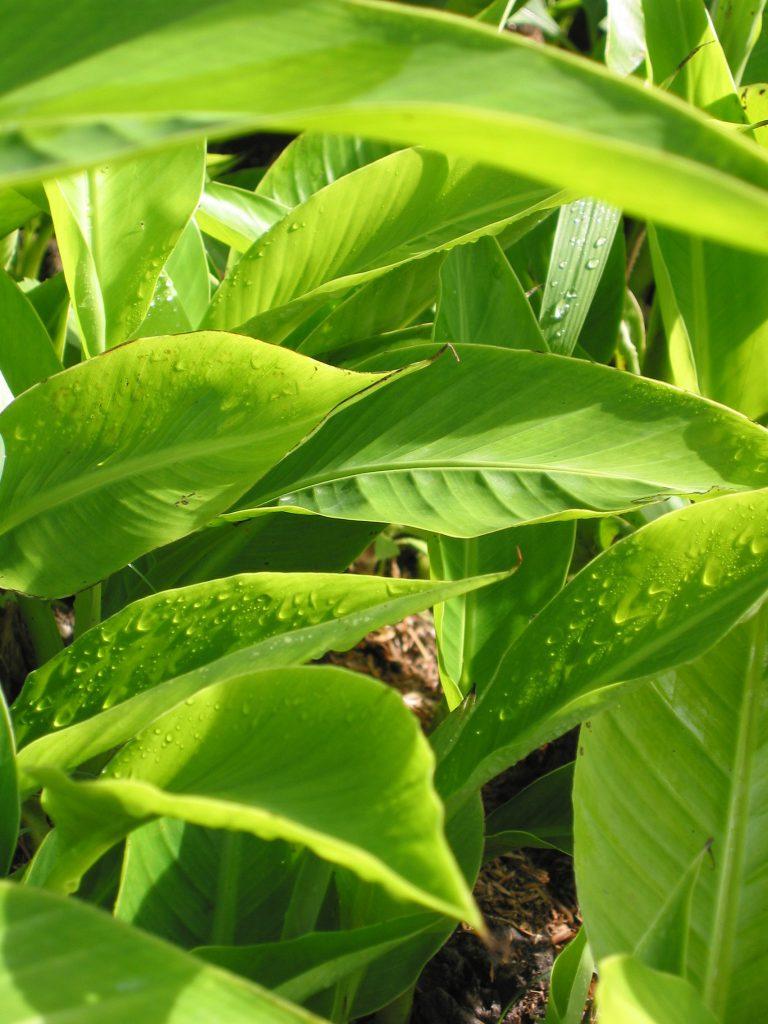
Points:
(65, 960)
(283, 754)
(631, 993)
(602, 331)
(313, 161)
(277, 540)
(121, 675)
(385, 304)
(569, 983)
(541, 815)
(194, 885)
(474, 631)
(482, 301)
(235, 216)
(362, 904)
(664, 946)
(402, 207)
(155, 438)
(312, 963)
(625, 36)
(583, 240)
(9, 790)
(524, 438)
(182, 292)
(718, 345)
(377, 70)
(116, 226)
(686, 56)
(654, 600)
(754, 100)
(687, 752)
(738, 28)
(15, 210)
(26, 353)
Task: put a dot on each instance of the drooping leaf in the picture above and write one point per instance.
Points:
(704, 786)
(116, 226)
(156, 438)
(281, 754)
(120, 676)
(64, 959)
(524, 438)
(377, 70)
(651, 602)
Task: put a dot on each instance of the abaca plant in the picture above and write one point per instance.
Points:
(503, 296)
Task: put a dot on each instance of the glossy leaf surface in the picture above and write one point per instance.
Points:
(157, 437)
(524, 438)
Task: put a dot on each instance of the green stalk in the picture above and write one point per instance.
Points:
(41, 626)
(87, 609)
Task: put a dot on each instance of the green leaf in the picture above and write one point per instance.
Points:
(118, 677)
(9, 790)
(276, 540)
(15, 210)
(653, 601)
(312, 963)
(540, 816)
(738, 28)
(718, 345)
(154, 438)
(474, 631)
(690, 749)
(482, 301)
(569, 984)
(312, 161)
(116, 226)
(625, 36)
(382, 71)
(65, 959)
(405, 206)
(182, 292)
(194, 885)
(235, 216)
(385, 304)
(664, 946)
(583, 241)
(26, 353)
(282, 754)
(524, 438)
(631, 993)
